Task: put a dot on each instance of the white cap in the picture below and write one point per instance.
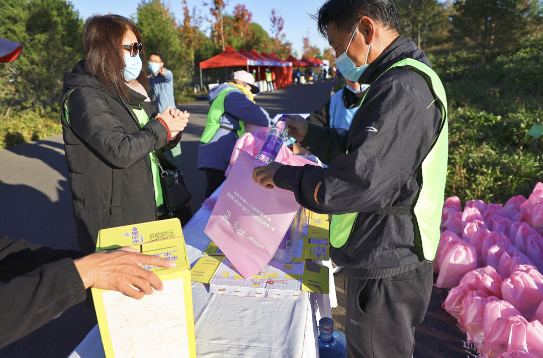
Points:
(9, 50)
(247, 78)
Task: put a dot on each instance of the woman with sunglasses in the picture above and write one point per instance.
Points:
(112, 133)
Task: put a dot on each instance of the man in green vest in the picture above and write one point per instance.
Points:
(232, 105)
(385, 181)
(269, 80)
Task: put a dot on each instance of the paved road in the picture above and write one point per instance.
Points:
(35, 205)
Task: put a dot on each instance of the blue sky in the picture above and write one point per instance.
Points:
(298, 23)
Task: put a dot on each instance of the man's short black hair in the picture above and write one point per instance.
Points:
(157, 54)
(345, 14)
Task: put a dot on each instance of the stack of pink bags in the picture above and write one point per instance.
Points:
(491, 256)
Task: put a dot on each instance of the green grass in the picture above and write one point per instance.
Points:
(491, 107)
(26, 126)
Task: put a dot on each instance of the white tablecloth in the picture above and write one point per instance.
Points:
(231, 326)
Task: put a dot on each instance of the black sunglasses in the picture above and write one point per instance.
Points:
(134, 49)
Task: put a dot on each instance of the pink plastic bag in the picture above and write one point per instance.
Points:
(517, 354)
(446, 215)
(495, 252)
(537, 217)
(491, 240)
(453, 203)
(495, 209)
(507, 335)
(532, 246)
(474, 312)
(485, 279)
(478, 204)
(447, 240)
(513, 204)
(523, 268)
(509, 259)
(523, 231)
(523, 216)
(454, 303)
(471, 228)
(538, 314)
(502, 225)
(452, 221)
(249, 221)
(470, 214)
(524, 291)
(495, 310)
(536, 196)
(477, 241)
(534, 338)
(459, 260)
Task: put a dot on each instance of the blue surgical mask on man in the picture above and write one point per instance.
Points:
(154, 67)
(362, 88)
(346, 65)
(132, 68)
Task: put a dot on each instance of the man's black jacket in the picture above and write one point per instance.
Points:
(389, 137)
(42, 283)
(321, 117)
(107, 153)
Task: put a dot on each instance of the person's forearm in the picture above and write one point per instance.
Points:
(20, 257)
(32, 300)
(324, 143)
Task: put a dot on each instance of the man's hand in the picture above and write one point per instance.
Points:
(162, 71)
(264, 175)
(119, 270)
(175, 119)
(297, 127)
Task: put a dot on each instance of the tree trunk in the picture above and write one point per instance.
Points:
(418, 35)
(222, 32)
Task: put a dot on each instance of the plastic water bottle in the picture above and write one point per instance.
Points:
(332, 343)
(284, 251)
(276, 136)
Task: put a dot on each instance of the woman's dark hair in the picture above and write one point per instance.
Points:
(345, 14)
(103, 42)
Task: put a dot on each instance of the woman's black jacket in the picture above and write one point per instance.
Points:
(107, 153)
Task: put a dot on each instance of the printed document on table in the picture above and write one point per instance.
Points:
(158, 325)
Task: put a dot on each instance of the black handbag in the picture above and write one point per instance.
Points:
(174, 190)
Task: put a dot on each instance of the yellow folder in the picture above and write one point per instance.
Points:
(158, 325)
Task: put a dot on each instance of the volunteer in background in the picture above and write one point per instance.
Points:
(232, 105)
(111, 132)
(41, 283)
(162, 97)
(385, 179)
(269, 80)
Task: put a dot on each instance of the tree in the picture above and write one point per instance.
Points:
(491, 25)
(241, 24)
(216, 9)
(422, 18)
(277, 24)
(159, 34)
(50, 32)
(329, 54)
(310, 50)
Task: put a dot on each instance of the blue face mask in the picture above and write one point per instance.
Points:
(133, 67)
(154, 67)
(346, 65)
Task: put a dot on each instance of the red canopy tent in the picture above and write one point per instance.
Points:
(257, 68)
(309, 63)
(287, 70)
(280, 73)
(228, 58)
(318, 61)
(295, 62)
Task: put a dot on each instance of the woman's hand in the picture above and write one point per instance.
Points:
(175, 119)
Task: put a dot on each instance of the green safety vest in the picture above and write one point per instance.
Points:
(268, 76)
(429, 203)
(214, 115)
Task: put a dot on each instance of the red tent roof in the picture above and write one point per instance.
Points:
(264, 57)
(255, 54)
(312, 60)
(295, 62)
(278, 61)
(228, 58)
(286, 63)
(309, 63)
(318, 61)
(249, 55)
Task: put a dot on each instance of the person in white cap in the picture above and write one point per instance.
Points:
(232, 105)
